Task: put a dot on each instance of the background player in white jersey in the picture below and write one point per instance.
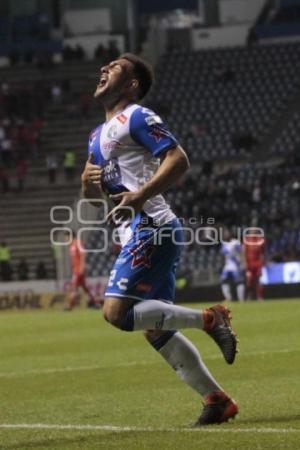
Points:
(233, 271)
(133, 158)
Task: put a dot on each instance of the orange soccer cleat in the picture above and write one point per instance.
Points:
(217, 325)
(218, 408)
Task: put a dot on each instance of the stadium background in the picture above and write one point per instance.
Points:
(227, 84)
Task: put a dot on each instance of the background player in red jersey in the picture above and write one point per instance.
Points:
(254, 247)
(78, 267)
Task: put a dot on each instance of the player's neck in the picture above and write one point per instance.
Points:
(112, 109)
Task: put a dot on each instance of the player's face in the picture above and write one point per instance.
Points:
(113, 78)
(226, 235)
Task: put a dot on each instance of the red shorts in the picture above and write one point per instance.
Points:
(78, 280)
(254, 272)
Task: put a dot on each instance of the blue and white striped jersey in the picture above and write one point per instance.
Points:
(232, 252)
(128, 147)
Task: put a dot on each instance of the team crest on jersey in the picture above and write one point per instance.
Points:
(122, 118)
(112, 132)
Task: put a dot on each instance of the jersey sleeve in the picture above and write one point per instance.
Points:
(94, 147)
(148, 130)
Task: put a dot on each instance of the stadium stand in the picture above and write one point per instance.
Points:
(288, 142)
(223, 105)
(231, 92)
(25, 224)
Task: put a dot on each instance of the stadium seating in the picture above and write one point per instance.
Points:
(289, 139)
(26, 225)
(229, 92)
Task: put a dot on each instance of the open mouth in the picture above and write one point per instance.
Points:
(102, 82)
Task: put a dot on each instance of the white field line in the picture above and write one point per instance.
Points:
(125, 364)
(118, 429)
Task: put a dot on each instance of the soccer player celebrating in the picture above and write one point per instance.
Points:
(77, 256)
(132, 159)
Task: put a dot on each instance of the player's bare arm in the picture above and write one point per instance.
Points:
(91, 181)
(174, 164)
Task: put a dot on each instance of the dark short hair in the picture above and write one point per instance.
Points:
(142, 70)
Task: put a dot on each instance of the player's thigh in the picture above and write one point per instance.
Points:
(258, 271)
(238, 277)
(80, 281)
(115, 309)
(75, 280)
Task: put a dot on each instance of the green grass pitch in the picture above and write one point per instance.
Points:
(74, 369)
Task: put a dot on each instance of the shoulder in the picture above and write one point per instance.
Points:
(148, 130)
(236, 244)
(94, 132)
(143, 116)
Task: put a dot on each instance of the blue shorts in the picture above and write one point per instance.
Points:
(236, 276)
(146, 266)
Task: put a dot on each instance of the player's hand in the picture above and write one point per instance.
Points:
(92, 173)
(130, 204)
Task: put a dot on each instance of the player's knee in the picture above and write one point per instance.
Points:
(148, 335)
(153, 335)
(112, 315)
(113, 318)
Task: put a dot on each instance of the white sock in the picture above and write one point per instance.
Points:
(240, 289)
(185, 359)
(157, 315)
(226, 291)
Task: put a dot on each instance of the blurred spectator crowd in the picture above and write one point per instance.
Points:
(22, 271)
(21, 122)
